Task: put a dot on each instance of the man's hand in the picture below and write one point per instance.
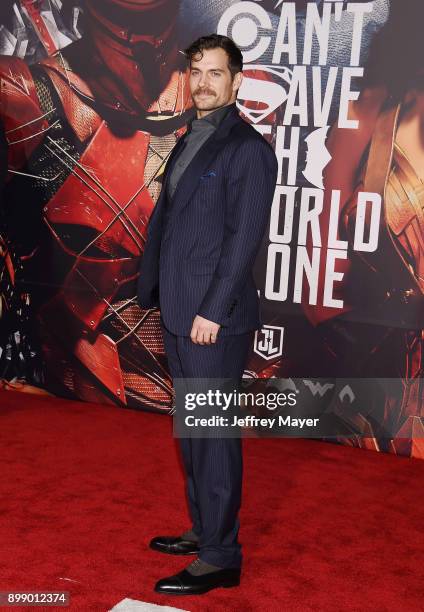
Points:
(204, 331)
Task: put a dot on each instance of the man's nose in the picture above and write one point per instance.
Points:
(203, 81)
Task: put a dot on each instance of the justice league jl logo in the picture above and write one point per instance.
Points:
(270, 345)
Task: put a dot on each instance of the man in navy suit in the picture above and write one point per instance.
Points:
(202, 241)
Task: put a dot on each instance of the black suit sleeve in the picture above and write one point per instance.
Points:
(250, 191)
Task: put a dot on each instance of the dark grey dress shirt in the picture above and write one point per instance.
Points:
(198, 131)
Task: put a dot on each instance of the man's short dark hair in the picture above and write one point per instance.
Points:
(217, 41)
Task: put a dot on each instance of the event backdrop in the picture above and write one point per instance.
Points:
(94, 95)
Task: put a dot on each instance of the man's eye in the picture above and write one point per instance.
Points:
(216, 74)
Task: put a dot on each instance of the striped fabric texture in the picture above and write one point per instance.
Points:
(200, 260)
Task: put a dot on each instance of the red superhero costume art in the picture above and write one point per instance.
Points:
(88, 133)
(86, 149)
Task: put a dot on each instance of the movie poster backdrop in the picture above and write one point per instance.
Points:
(94, 95)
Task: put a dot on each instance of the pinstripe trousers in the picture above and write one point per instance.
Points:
(213, 466)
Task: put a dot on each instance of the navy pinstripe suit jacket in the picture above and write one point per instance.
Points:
(201, 260)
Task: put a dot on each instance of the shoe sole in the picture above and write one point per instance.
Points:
(228, 585)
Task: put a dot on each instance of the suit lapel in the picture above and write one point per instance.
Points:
(162, 196)
(171, 159)
(207, 152)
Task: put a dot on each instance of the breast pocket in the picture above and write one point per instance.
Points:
(208, 196)
(210, 180)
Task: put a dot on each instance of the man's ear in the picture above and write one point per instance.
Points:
(238, 77)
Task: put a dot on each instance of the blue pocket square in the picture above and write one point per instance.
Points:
(208, 174)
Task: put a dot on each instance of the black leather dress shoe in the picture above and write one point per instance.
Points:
(174, 545)
(185, 583)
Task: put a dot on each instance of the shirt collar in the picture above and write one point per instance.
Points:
(214, 118)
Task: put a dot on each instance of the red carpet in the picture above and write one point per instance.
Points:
(85, 487)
